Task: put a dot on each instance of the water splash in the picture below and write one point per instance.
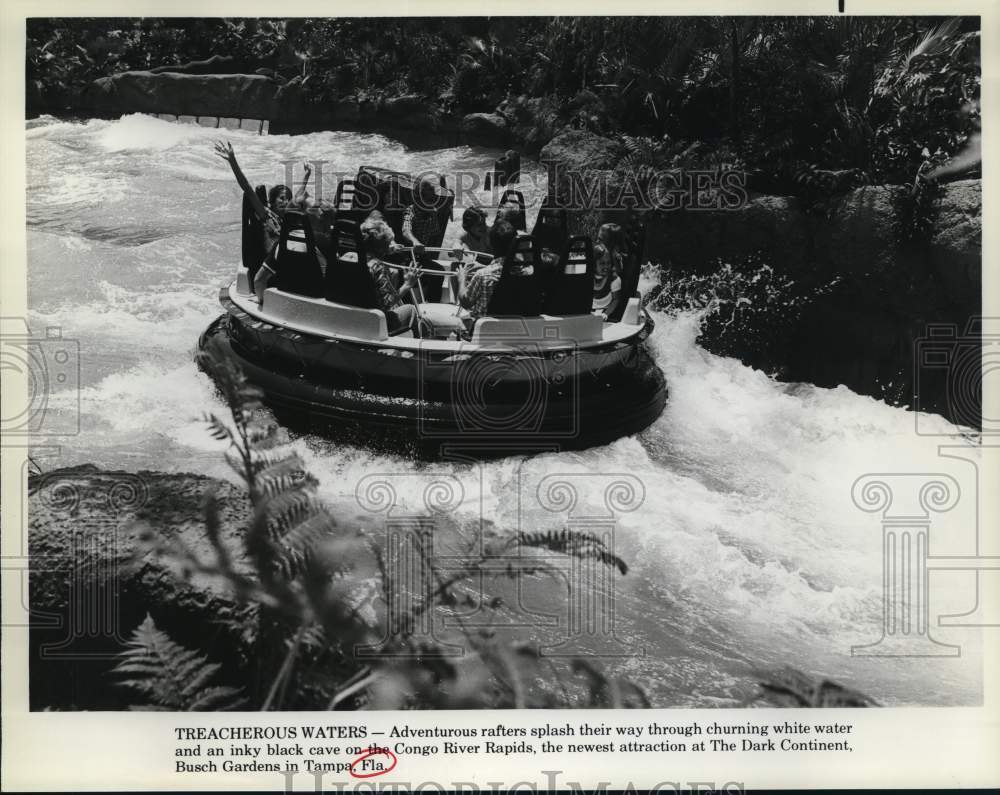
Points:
(747, 551)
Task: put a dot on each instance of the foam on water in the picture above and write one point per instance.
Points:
(747, 551)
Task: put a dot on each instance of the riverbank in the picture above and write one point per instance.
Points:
(93, 578)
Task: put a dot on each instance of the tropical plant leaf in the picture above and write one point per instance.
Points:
(171, 676)
(574, 543)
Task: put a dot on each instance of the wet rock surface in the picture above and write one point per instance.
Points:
(92, 579)
(864, 331)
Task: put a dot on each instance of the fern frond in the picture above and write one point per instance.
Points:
(788, 687)
(216, 699)
(287, 510)
(574, 543)
(170, 675)
(217, 429)
(262, 459)
(299, 545)
(283, 475)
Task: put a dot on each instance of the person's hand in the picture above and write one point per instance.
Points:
(307, 168)
(418, 250)
(457, 253)
(411, 276)
(225, 151)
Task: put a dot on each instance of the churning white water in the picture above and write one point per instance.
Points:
(747, 552)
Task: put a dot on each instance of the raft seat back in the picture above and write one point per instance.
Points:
(551, 228)
(323, 318)
(631, 271)
(632, 316)
(243, 284)
(254, 239)
(445, 213)
(513, 168)
(297, 267)
(348, 280)
(518, 293)
(511, 207)
(545, 331)
(570, 290)
(346, 201)
(383, 190)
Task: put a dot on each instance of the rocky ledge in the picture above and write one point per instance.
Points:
(93, 577)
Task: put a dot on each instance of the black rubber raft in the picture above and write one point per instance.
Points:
(433, 404)
(528, 379)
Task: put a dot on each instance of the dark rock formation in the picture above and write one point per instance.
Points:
(230, 96)
(409, 110)
(534, 121)
(488, 129)
(862, 332)
(580, 151)
(93, 580)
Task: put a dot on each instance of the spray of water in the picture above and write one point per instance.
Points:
(747, 551)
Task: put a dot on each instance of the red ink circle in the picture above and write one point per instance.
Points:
(365, 755)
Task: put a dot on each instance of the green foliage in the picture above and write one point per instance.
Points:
(788, 687)
(869, 97)
(170, 676)
(63, 56)
(915, 210)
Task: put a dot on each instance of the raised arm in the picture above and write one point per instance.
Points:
(302, 195)
(225, 151)
(408, 226)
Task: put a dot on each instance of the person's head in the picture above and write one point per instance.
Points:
(279, 197)
(502, 236)
(425, 193)
(603, 265)
(378, 236)
(512, 214)
(612, 236)
(474, 220)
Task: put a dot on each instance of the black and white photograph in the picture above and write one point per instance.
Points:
(504, 363)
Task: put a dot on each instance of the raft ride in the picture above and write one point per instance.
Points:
(540, 371)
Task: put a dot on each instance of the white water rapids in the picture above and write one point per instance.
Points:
(747, 552)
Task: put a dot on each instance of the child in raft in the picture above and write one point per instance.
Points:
(609, 262)
(475, 233)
